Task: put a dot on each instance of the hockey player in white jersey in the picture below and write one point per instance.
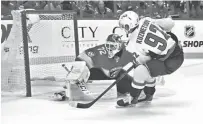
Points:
(156, 50)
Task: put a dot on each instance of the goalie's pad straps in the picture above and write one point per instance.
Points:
(83, 88)
(80, 82)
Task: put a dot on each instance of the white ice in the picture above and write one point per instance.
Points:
(179, 101)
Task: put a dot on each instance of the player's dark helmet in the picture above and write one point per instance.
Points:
(113, 44)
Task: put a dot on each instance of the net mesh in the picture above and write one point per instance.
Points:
(12, 80)
(51, 41)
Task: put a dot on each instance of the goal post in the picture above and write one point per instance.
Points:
(26, 54)
(51, 41)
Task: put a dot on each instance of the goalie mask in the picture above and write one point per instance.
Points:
(113, 44)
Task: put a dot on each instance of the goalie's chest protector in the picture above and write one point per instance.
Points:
(101, 60)
(99, 57)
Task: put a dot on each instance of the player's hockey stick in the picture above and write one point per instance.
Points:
(88, 105)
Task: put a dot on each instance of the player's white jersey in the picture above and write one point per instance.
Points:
(149, 37)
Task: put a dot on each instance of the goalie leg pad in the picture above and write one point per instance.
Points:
(78, 74)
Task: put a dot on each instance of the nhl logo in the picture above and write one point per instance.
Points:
(189, 31)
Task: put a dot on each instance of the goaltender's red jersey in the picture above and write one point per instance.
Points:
(97, 57)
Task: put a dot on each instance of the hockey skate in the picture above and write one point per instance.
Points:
(127, 101)
(148, 98)
(149, 93)
(59, 96)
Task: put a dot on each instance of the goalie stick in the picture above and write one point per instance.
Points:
(88, 105)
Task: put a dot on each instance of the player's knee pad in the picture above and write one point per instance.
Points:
(140, 76)
(151, 82)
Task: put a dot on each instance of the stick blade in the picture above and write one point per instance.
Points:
(84, 106)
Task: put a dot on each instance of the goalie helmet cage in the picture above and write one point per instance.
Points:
(49, 15)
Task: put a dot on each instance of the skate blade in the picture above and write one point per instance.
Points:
(144, 101)
(128, 106)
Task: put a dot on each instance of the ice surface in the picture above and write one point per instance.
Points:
(179, 101)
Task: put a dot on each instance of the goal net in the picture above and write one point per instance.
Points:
(35, 50)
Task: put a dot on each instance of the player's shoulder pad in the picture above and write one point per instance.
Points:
(144, 19)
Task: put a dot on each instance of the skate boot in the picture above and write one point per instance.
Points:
(149, 92)
(59, 96)
(128, 100)
(148, 98)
